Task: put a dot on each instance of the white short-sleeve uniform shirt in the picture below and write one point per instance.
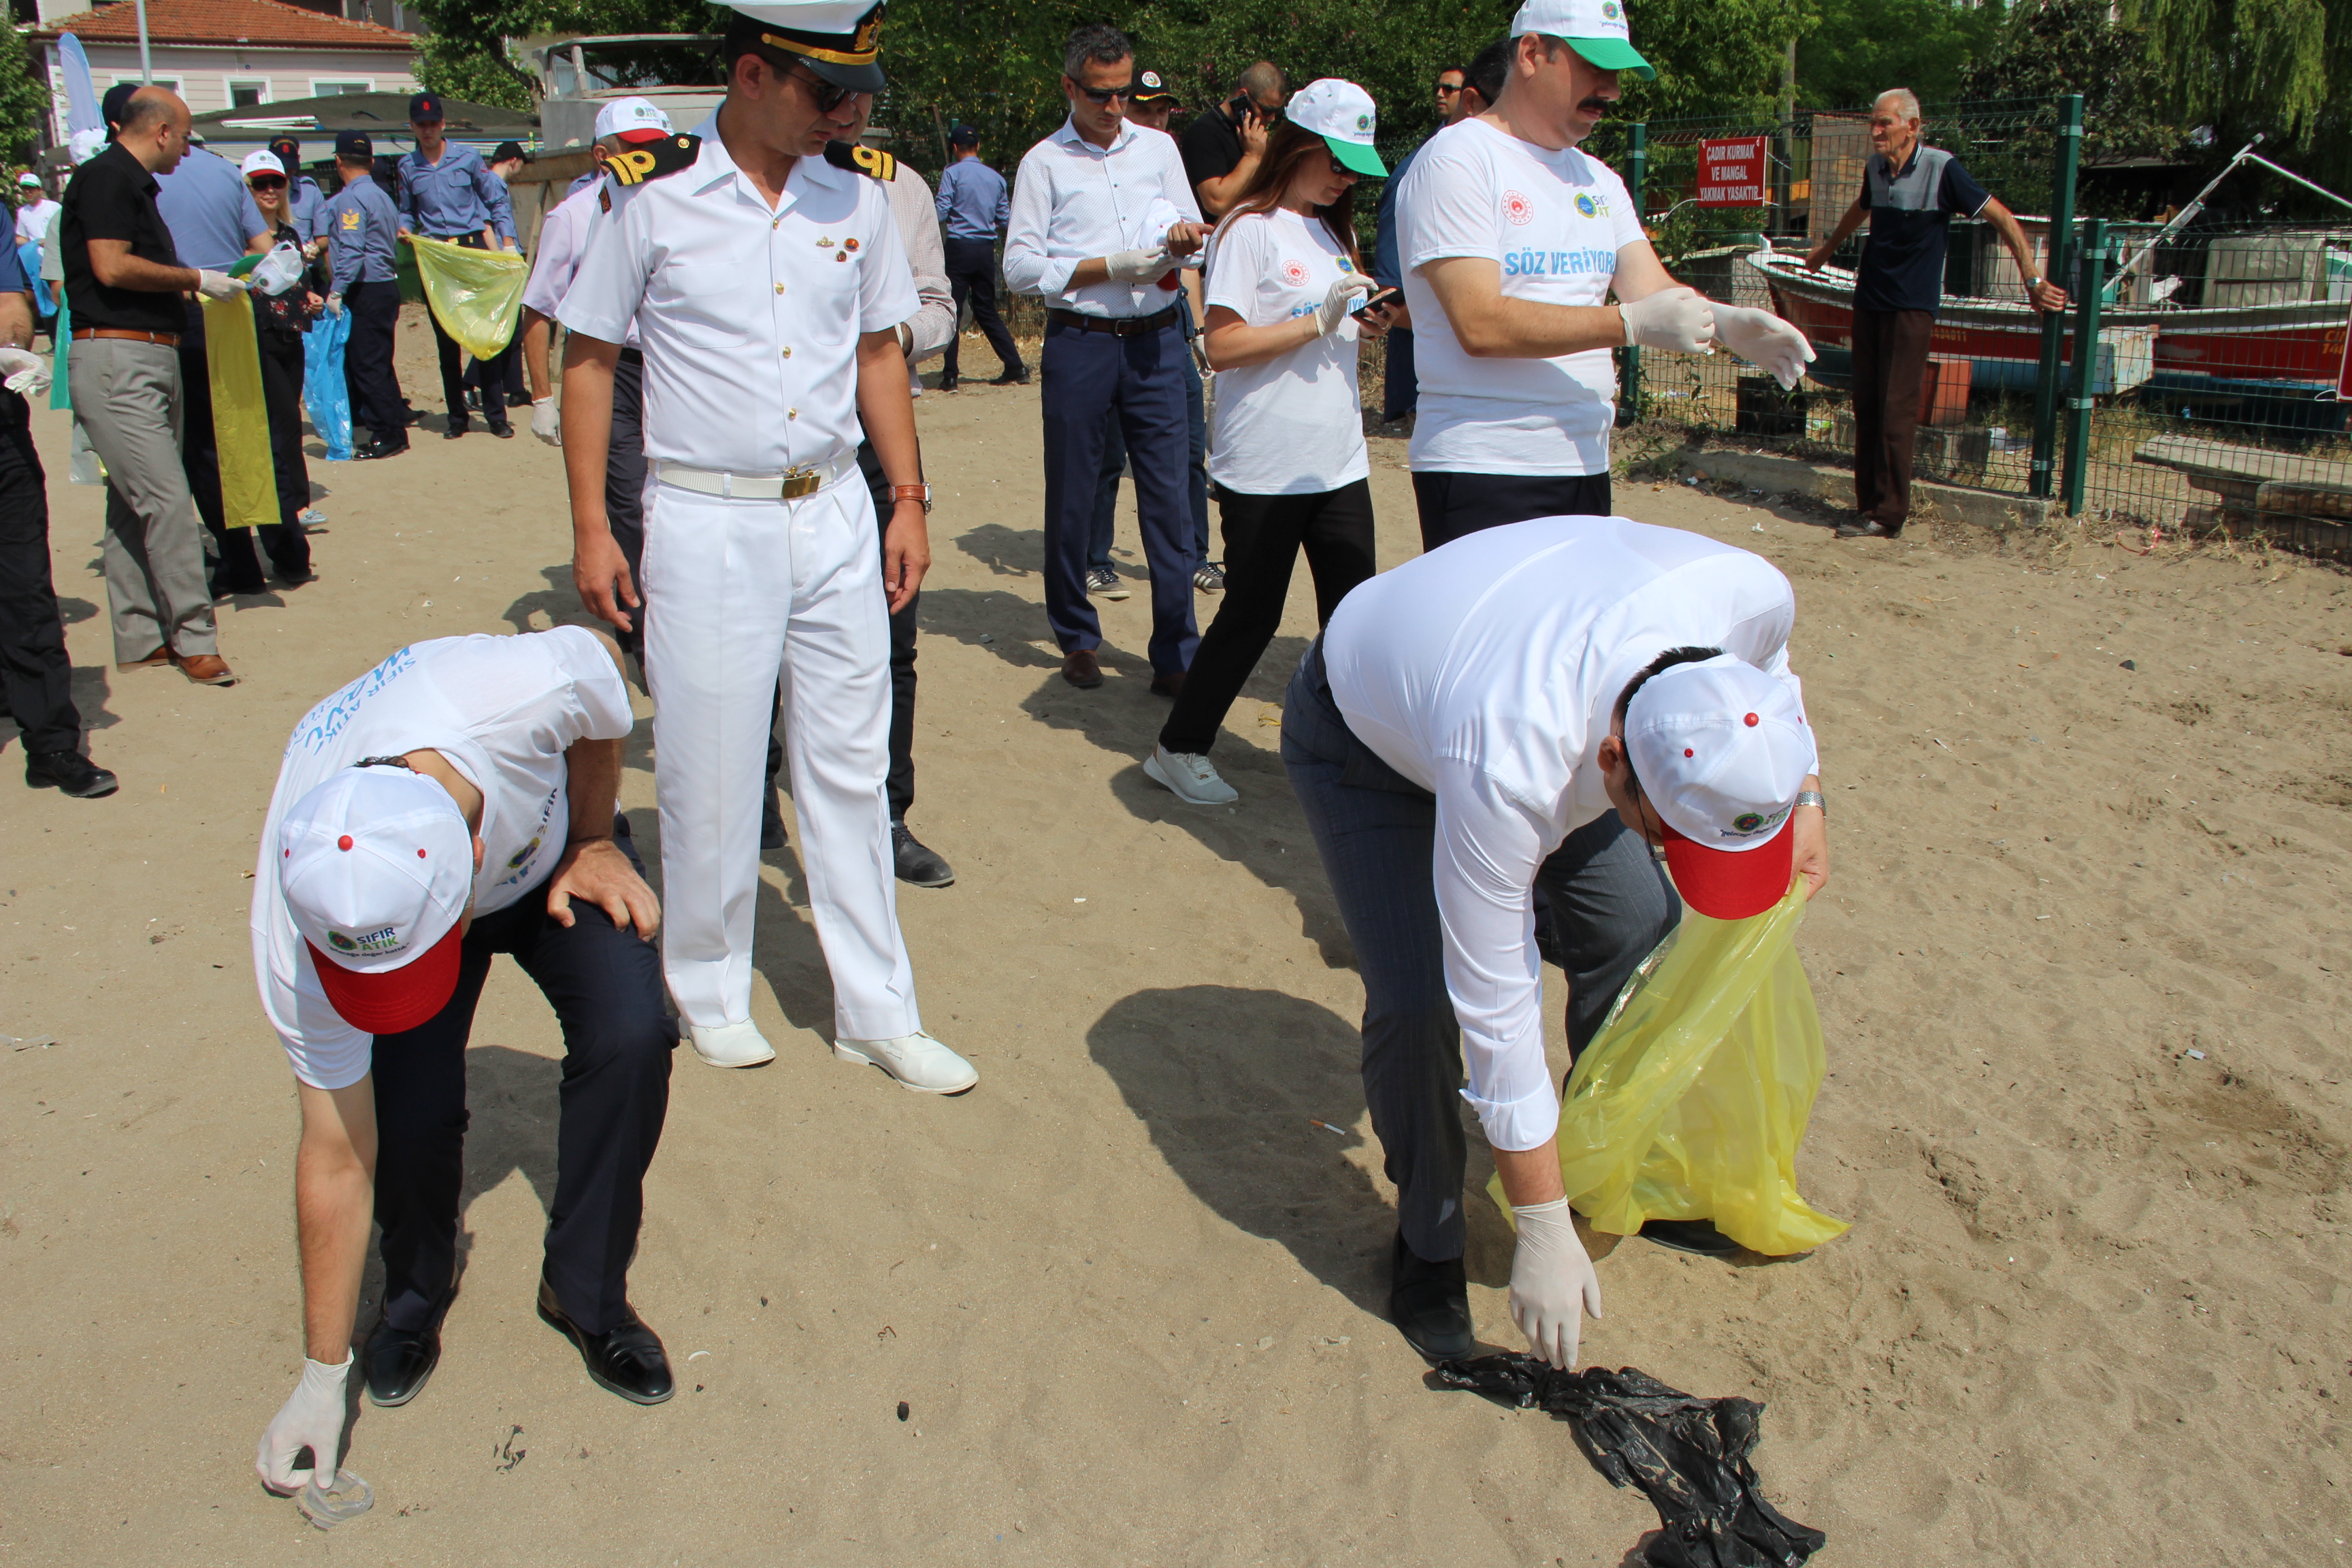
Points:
(503, 710)
(1292, 424)
(562, 241)
(1487, 673)
(749, 316)
(1554, 222)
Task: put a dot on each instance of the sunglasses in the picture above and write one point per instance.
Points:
(1102, 96)
(267, 182)
(828, 96)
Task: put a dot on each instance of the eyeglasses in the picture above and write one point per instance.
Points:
(1101, 96)
(828, 96)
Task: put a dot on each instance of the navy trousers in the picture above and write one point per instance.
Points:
(605, 986)
(1196, 410)
(1141, 380)
(1376, 831)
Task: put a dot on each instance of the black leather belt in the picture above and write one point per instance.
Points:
(633, 356)
(1117, 326)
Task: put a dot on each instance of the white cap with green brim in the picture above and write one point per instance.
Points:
(1596, 29)
(1342, 115)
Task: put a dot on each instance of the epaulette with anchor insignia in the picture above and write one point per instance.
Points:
(636, 164)
(871, 162)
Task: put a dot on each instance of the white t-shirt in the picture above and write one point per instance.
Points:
(1486, 672)
(1290, 426)
(503, 710)
(33, 220)
(1554, 222)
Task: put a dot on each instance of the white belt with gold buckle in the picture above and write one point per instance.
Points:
(789, 485)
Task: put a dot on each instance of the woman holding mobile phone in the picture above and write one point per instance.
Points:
(1287, 449)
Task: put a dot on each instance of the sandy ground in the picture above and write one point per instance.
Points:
(2077, 968)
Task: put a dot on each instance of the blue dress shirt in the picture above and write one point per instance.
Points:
(308, 203)
(457, 195)
(210, 212)
(974, 200)
(361, 227)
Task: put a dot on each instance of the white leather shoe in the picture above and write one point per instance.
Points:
(732, 1044)
(917, 1061)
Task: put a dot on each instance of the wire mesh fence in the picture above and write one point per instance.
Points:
(2213, 397)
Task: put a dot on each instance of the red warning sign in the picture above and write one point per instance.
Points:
(1731, 173)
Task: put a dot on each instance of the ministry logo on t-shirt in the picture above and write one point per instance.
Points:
(1516, 208)
(1293, 272)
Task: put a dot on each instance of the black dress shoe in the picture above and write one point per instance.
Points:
(398, 1363)
(947, 382)
(627, 1360)
(1430, 1304)
(918, 862)
(502, 428)
(72, 772)
(1692, 1236)
(1013, 378)
(379, 449)
(455, 429)
(518, 400)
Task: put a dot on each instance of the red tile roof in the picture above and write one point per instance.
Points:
(225, 22)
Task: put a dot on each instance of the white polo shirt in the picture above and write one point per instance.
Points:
(562, 241)
(1554, 222)
(503, 710)
(749, 316)
(1073, 201)
(1486, 672)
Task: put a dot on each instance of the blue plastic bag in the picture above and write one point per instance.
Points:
(28, 257)
(323, 392)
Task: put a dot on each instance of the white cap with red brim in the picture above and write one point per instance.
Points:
(631, 120)
(377, 866)
(1721, 750)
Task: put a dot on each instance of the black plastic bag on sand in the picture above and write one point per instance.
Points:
(1688, 1455)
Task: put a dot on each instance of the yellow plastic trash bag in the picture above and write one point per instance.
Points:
(1691, 1101)
(248, 479)
(476, 295)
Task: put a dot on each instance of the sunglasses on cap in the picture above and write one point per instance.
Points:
(1103, 97)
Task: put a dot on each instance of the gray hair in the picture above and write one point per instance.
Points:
(1905, 101)
(1096, 43)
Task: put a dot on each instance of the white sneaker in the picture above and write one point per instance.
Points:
(1190, 776)
(917, 1061)
(732, 1044)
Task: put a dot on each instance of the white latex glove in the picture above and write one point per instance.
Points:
(313, 1418)
(1138, 266)
(1765, 340)
(544, 422)
(1551, 1281)
(1342, 294)
(219, 285)
(25, 374)
(1676, 319)
(334, 304)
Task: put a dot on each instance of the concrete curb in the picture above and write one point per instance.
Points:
(1988, 509)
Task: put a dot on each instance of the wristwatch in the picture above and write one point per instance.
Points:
(912, 492)
(2031, 284)
(1812, 797)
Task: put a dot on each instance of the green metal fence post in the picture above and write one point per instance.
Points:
(2085, 375)
(2054, 324)
(1637, 163)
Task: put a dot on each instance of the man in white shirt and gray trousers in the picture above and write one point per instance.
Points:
(767, 286)
(1537, 705)
(1102, 216)
(1512, 241)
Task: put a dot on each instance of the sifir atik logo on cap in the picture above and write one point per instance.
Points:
(384, 940)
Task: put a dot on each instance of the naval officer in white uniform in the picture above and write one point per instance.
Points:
(768, 286)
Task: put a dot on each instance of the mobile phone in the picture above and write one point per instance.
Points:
(1379, 298)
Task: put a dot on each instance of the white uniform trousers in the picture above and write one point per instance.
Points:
(732, 590)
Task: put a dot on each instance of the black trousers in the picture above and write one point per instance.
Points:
(36, 677)
(237, 566)
(453, 377)
(281, 394)
(1890, 369)
(605, 986)
(972, 275)
(901, 781)
(625, 484)
(1401, 387)
(1451, 505)
(514, 383)
(1264, 535)
(376, 403)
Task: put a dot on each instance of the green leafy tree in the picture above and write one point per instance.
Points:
(1852, 50)
(2280, 67)
(23, 103)
(466, 55)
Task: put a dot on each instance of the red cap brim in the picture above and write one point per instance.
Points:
(641, 134)
(393, 1001)
(1728, 886)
